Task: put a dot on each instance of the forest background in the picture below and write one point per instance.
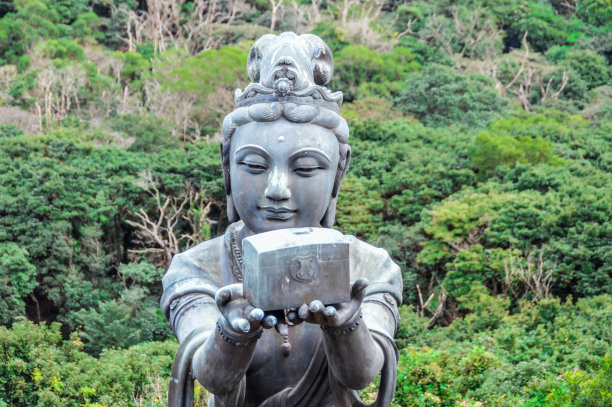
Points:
(481, 133)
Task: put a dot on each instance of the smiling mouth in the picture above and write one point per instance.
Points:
(274, 213)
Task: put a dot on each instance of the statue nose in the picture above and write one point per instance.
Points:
(278, 186)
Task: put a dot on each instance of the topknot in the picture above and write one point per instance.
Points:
(290, 68)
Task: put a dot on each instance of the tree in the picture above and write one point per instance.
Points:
(438, 96)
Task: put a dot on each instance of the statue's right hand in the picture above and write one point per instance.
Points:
(241, 315)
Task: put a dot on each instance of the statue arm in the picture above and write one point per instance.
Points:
(219, 360)
(354, 356)
(223, 357)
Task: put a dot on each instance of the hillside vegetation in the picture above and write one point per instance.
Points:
(481, 134)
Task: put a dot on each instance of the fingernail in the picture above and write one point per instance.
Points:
(257, 314)
(243, 325)
(303, 311)
(270, 321)
(316, 306)
(330, 312)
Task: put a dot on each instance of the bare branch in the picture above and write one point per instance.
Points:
(520, 71)
(442, 297)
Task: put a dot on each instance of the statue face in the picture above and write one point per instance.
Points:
(282, 174)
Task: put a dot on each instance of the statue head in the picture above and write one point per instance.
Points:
(284, 149)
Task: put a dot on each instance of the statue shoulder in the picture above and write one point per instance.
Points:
(202, 259)
(375, 264)
(201, 269)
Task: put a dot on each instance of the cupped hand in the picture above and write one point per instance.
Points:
(335, 315)
(240, 314)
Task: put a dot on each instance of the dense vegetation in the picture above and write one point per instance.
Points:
(482, 140)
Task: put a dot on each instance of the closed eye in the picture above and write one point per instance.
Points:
(307, 171)
(252, 167)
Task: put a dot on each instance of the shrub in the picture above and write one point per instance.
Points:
(438, 96)
(37, 367)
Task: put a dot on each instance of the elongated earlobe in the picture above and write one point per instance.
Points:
(330, 214)
(232, 214)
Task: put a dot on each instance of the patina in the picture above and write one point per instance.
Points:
(317, 337)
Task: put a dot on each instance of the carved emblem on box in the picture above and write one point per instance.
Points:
(286, 268)
(304, 268)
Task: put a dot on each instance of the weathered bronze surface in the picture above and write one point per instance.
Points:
(302, 316)
(286, 268)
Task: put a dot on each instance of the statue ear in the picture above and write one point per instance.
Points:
(342, 169)
(232, 214)
(330, 214)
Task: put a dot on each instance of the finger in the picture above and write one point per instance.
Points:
(304, 311)
(293, 317)
(316, 307)
(359, 289)
(228, 293)
(256, 315)
(240, 325)
(282, 329)
(269, 321)
(235, 316)
(222, 296)
(330, 313)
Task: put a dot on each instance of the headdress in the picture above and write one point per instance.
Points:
(290, 68)
(289, 74)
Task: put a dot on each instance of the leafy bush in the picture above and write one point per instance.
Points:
(38, 368)
(491, 151)
(519, 360)
(438, 96)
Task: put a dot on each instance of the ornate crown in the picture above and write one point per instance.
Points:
(290, 68)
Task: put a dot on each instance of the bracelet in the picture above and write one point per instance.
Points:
(235, 338)
(345, 329)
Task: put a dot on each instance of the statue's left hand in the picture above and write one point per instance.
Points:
(335, 315)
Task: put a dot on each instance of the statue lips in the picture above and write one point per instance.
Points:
(274, 213)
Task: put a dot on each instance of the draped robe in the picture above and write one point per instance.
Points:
(302, 379)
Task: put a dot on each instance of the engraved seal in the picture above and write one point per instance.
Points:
(305, 268)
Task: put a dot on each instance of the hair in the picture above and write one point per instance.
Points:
(296, 113)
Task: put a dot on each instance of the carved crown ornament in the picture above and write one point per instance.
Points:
(290, 68)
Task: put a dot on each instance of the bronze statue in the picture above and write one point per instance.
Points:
(284, 155)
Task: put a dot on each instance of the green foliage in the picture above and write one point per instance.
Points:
(359, 207)
(150, 133)
(595, 12)
(132, 319)
(438, 96)
(422, 380)
(545, 27)
(17, 280)
(590, 66)
(19, 31)
(491, 151)
(578, 389)
(202, 73)
(362, 71)
(64, 201)
(38, 368)
(135, 69)
(61, 48)
(487, 312)
(332, 34)
(491, 358)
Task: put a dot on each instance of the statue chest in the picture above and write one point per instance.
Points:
(270, 371)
